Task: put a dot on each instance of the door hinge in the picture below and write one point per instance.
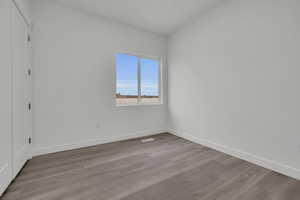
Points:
(29, 106)
(28, 38)
(29, 140)
(29, 72)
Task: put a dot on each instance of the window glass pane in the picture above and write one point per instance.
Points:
(149, 80)
(127, 81)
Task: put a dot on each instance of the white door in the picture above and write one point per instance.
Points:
(22, 116)
(5, 97)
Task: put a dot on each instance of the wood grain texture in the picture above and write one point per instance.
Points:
(170, 168)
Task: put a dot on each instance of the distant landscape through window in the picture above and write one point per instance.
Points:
(137, 80)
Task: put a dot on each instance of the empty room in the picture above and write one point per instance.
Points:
(150, 100)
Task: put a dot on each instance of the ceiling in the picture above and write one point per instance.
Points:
(159, 16)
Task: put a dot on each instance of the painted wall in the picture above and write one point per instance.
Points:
(5, 100)
(234, 77)
(73, 58)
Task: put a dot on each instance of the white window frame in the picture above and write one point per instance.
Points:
(160, 81)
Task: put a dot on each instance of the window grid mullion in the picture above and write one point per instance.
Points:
(139, 80)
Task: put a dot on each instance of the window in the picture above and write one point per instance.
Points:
(137, 80)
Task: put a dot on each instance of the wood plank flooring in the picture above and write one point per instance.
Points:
(170, 168)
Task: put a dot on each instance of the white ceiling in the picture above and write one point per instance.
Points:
(159, 16)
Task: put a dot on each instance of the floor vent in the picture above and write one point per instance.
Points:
(147, 140)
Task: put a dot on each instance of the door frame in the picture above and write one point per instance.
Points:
(17, 10)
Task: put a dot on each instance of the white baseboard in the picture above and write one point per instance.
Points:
(261, 161)
(5, 178)
(264, 162)
(20, 158)
(87, 143)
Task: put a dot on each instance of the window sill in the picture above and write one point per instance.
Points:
(138, 105)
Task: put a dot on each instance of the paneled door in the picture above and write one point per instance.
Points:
(22, 91)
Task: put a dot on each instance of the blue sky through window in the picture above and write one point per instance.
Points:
(149, 77)
(127, 75)
(127, 80)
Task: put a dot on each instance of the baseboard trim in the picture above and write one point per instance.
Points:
(87, 143)
(264, 162)
(20, 158)
(5, 178)
(261, 161)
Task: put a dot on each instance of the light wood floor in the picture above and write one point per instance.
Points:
(169, 168)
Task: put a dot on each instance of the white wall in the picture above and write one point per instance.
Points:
(234, 81)
(74, 79)
(5, 100)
